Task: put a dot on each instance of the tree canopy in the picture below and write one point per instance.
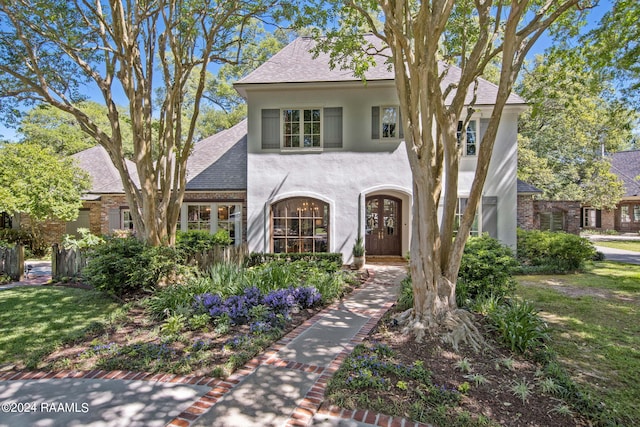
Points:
(572, 123)
(36, 181)
(124, 49)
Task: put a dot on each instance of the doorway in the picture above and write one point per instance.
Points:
(383, 231)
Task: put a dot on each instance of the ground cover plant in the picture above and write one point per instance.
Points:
(211, 323)
(36, 320)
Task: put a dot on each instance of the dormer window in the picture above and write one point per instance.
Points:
(301, 128)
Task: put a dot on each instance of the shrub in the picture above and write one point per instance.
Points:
(405, 300)
(557, 252)
(194, 241)
(328, 261)
(123, 266)
(485, 270)
(86, 240)
(519, 326)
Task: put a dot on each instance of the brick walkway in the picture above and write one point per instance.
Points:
(285, 385)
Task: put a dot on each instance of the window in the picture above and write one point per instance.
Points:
(126, 220)
(636, 213)
(624, 213)
(300, 225)
(227, 216)
(471, 143)
(389, 121)
(301, 128)
(552, 221)
(5, 220)
(591, 218)
(386, 123)
(462, 205)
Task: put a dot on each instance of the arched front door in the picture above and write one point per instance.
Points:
(383, 225)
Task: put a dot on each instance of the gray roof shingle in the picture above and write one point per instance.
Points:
(296, 64)
(626, 166)
(526, 188)
(105, 178)
(219, 162)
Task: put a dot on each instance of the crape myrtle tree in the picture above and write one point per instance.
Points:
(146, 52)
(425, 39)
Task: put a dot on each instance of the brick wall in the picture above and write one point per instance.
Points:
(570, 209)
(526, 214)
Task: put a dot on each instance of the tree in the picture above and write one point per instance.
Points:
(36, 181)
(572, 122)
(424, 40)
(614, 46)
(52, 53)
(51, 127)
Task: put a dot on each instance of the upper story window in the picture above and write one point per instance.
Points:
(126, 219)
(301, 128)
(386, 123)
(470, 147)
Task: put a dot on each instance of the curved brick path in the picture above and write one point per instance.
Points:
(284, 386)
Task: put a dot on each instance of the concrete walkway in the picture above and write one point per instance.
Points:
(282, 387)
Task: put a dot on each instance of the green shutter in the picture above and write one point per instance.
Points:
(375, 122)
(490, 216)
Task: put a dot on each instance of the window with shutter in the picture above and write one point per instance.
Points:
(332, 127)
(270, 129)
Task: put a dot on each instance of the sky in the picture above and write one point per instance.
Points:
(541, 45)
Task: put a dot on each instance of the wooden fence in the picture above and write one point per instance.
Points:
(69, 263)
(66, 263)
(12, 262)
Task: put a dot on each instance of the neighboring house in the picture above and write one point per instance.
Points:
(327, 162)
(319, 161)
(626, 216)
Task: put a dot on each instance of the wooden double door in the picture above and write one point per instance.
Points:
(383, 232)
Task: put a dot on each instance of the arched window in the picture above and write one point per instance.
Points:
(300, 224)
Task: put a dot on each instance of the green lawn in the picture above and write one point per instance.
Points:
(595, 319)
(35, 320)
(629, 245)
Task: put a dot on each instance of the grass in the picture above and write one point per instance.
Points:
(629, 245)
(36, 320)
(595, 331)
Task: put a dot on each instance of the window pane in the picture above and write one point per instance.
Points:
(636, 213)
(389, 122)
(471, 138)
(624, 213)
(199, 217)
(300, 225)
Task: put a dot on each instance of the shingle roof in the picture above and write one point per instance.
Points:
(526, 188)
(219, 162)
(626, 165)
(296, 64)
(104, 175)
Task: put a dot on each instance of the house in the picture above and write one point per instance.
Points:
(319, 161)
(326, 161)
(625, 217)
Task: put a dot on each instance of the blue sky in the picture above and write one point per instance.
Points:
(542, 44)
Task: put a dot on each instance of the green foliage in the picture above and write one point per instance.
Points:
(329, 261)
(358, 248)
(519, 326)
(194, 241)
(405, 299)
(485, 270)
(553, 251)
(121, 267)
(86, 240)
(570, 102)
(36, 181)
(15, 236)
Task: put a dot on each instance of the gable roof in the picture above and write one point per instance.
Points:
(626, 166)
(105, 178)
(296, 64)
(219, 162)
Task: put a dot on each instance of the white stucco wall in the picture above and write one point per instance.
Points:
(363, 167)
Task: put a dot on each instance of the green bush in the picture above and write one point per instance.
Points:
(194, 241)
(405, 299)
(518, 325)
(556, 252)
(124, 266)
(328, 261)
(485, 270)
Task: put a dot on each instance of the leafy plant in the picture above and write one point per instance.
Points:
(521, 389)
(519, 326)
(358, 247)
(554, 251)
(86, 240)
(405, 299)
(174, 324)
(463, 365)
(477, 379)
